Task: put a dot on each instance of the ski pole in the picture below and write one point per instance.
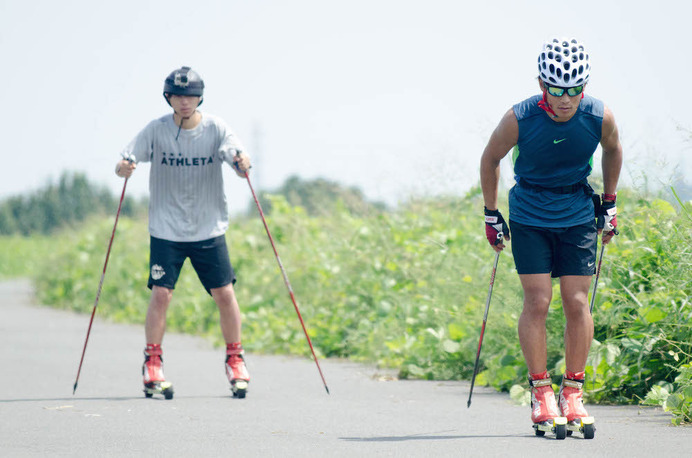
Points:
(98, 293)
(288, 283)
(485, 319)
(595, 283)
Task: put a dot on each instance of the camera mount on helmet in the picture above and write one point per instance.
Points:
(183, 81)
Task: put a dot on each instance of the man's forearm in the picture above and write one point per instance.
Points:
(612, 164)
(490, 177)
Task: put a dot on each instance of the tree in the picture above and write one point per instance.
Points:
(71, 200)
(321, 197)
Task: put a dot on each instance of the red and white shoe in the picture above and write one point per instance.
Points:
(152, 373)
(544, 411)
(571, 402)
(152, 369)
(236, 371)
(571, 396)
(543, 404)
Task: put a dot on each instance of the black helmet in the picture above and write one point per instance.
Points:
(184, 81)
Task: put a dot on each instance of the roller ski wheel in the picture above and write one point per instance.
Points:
(164, 388)
(557, 426)
(239, 388)
(584, 425)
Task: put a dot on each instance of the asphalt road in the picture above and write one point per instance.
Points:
(286, 413)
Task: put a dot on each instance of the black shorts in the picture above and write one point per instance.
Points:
(209, 258)
(558, 251)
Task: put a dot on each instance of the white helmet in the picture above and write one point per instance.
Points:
(564, 62)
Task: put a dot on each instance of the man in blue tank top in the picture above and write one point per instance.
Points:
(552, 212)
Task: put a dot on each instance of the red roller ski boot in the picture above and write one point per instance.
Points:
(544, 411)
(152, 371)
(572, 405)
(235, 369)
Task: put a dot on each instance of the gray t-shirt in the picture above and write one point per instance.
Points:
(187, 202)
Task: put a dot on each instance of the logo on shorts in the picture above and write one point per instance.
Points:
(591, 263)
(157, 272)
(559, 141)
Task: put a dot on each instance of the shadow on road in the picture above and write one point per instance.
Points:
(121, 398)
(425, 436)
(6, 401)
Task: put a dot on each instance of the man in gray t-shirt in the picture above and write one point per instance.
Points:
(188, 217)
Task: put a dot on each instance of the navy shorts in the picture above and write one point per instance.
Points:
(557, 251)
(209, 258)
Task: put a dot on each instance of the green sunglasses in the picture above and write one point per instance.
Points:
(556, 91)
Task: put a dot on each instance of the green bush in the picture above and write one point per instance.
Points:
(24, 257)
(643, 321)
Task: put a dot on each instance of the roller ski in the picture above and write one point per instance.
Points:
(571, 404)
(236, 371)
(164, 388)
(544, 411)
(152, 372)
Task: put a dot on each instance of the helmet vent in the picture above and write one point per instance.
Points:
(563, 61)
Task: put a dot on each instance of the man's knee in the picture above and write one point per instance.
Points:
(575, 308)
(223, 295)
(574, 292)
(160, 296)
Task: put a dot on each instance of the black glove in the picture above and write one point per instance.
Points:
(607, 219)
(495, 227)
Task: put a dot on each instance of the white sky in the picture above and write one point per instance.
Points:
(395, 97)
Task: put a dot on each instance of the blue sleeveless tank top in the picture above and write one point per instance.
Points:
(552, 154)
